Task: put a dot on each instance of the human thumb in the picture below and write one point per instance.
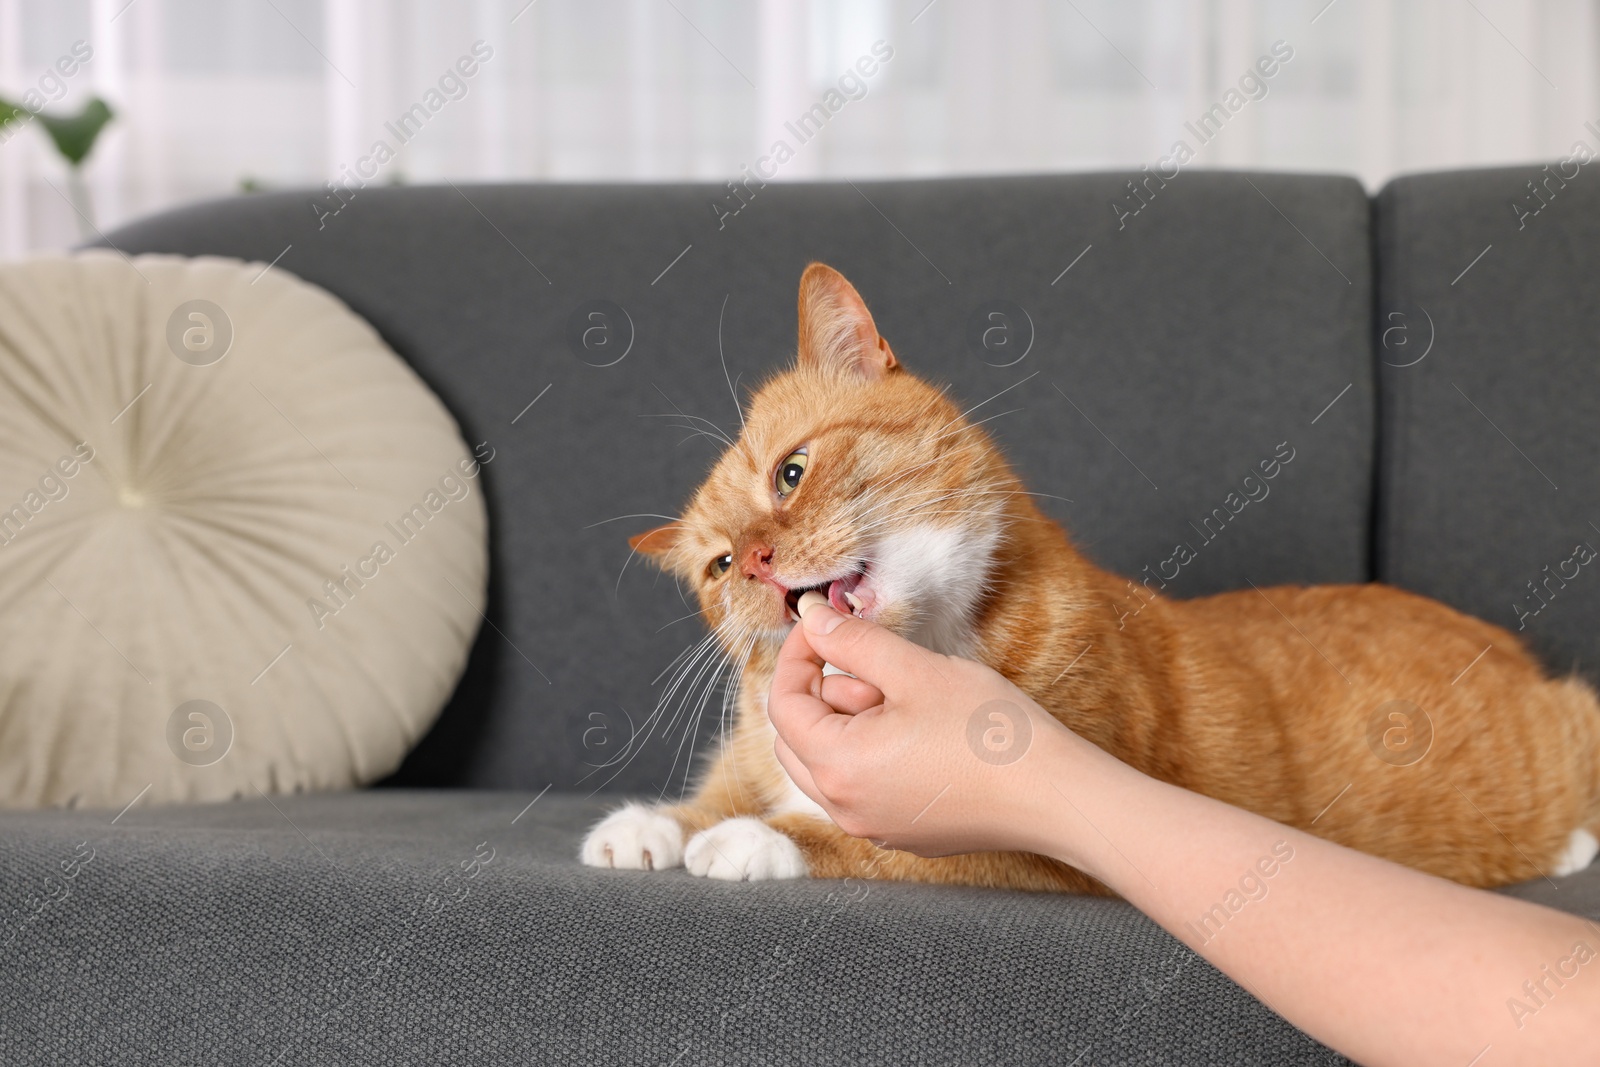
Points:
(816, 614)
(862, 648)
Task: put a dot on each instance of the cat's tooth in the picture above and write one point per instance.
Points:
(854, 602)
(810, 598)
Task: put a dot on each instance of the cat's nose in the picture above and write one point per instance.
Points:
(757, 561)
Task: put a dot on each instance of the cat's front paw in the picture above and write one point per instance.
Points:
(634, 838)
(743, 850)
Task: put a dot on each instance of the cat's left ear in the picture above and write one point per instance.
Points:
(656, 543)
(836, 330)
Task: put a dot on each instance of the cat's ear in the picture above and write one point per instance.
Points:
(836, 330)
(656, 543)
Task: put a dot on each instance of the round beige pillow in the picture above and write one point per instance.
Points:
(242, 545)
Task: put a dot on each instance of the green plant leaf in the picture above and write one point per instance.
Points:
(9, 112)
(75, 135)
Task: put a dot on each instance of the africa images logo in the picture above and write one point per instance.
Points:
(999, 732)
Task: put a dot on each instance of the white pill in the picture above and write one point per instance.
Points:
(809, 599)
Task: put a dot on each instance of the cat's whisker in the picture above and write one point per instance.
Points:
(710, 428)
(878, 500)
(877, 503)
(675, 671)
(678, 412)
(671, 519)
(683, 678)
(963, 511)
(616, 590)
(679, 657)
(730, 711)
(1046, 496)
(637, 741)
(974, 425)
(692, 723)
(878, 497)
(724, 361)
(719, 433)
(698, 433)
(930, 509)
(996, 396)
(943, 455)
(681, 618)
(707, 669)
(731, 705)
(969, 513)
(728, 640)
(861, 527)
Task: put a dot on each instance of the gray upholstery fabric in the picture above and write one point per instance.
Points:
(222, 935)
(1491, 464)
(1184, 344)
(346, 929)
(1227, 316)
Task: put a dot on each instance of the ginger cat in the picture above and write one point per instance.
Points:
(856, 479)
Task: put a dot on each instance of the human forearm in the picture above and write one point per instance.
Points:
(1447, 959)
(1383, 963)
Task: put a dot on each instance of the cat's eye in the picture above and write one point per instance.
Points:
(720, 565)
(789, 472)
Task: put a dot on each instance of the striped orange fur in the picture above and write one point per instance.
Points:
(1235, 696)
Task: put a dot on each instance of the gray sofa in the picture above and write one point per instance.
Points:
(1440, 398)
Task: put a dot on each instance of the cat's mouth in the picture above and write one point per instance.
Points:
(848, 594)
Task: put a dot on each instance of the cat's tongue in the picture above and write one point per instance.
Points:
(846, 597)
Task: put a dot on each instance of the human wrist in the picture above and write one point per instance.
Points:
(1060, 802)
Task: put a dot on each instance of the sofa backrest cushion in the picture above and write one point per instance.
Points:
(1488, 328)
(1179, 334)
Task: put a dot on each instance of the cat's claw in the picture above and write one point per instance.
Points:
(743, 850)
(634, 838)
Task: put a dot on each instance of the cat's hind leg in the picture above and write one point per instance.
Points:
(829, 852)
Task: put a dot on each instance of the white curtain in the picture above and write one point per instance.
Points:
(213, 96)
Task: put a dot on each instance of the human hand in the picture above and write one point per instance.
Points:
(922, 752)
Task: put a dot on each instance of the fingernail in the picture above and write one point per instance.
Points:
(817, 615)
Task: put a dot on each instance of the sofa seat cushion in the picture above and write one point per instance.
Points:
(455, 927)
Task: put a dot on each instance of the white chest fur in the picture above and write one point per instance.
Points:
(941, 570)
